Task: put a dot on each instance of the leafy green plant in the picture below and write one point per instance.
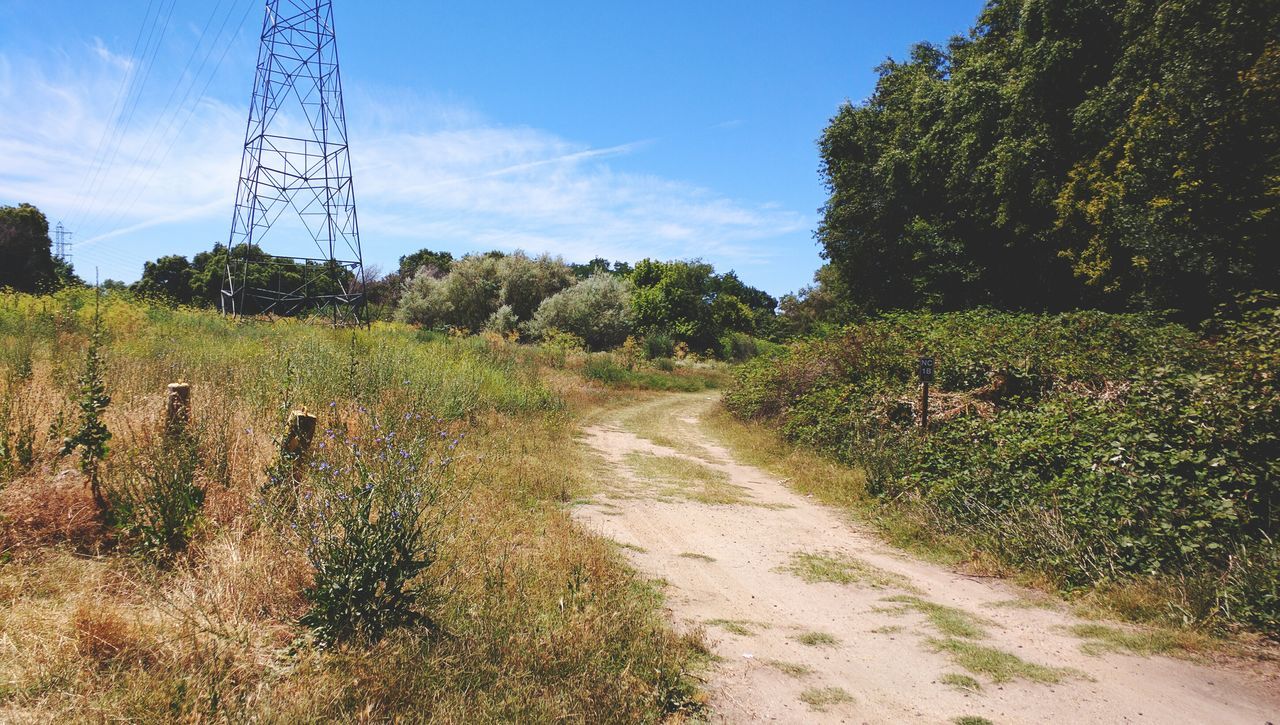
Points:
(156, 501)
(91, 435)
(370, 517)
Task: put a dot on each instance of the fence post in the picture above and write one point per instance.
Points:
(297, 440)
(177, 413)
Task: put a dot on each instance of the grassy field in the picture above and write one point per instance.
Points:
(510, 612)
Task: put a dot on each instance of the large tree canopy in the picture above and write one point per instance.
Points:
(26, 259)
(1066, 153)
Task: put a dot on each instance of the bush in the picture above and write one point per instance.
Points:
(156, 501)
(1086, 446)
(659, 345)
(478, 286)
(503, 322)
(598, 310)
(370, 516)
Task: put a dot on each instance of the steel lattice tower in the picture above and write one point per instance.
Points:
(296, 165)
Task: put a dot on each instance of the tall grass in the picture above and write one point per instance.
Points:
(516, 614)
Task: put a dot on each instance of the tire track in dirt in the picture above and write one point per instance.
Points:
(813, 619)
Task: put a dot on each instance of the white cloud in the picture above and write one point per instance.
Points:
(428, 171)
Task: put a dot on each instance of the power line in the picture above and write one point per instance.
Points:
(148, 64)
(148, 147)
(114, 118)
(139, 189)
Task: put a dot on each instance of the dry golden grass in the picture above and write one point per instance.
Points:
(534, 619)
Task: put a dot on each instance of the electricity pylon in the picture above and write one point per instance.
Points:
(295, 186)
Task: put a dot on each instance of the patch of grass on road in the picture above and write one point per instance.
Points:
(816, 639)
(791, 669)
(839, 568)
(821, 698)
(740, 627)
(964, 683)
(686, 478)
(1101, 639)
(949, 621)
(698, 557)
(998, 665)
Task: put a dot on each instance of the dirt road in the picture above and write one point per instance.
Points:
(814, 620)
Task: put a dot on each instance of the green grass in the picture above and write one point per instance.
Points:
(997, 665)
(838, 568)
(964, 683)
(791, 669)
(972, 720)
(1101, 639)
(822, 698)
(529, 616)
(602, 368)
(686, 478)
(948, 621)
(816, 639)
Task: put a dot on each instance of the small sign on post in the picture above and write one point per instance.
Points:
(926, 377)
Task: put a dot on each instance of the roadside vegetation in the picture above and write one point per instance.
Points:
(1098, 451)
(417, 563)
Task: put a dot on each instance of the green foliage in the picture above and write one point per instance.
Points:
(438, 263)
(26, 258)
(600, 265)
(91, 436)
(168, 278)
(690, 302)
(598, 310)
(156, 501)
(199, 282)
(1118, 153)
(1086, 446)
(478, 285)
(370, 516)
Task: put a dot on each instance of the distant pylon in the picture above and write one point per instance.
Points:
(62, 243)
(296, 165)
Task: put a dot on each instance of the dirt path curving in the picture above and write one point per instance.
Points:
(815, 620)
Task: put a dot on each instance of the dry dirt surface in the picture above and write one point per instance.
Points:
(812, 619)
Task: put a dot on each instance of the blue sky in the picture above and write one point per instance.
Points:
(624, 130)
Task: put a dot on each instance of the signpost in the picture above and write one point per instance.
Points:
(926, 377)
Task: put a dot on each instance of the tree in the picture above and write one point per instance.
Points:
(478, 285)
(26, 258)
(1107, 153)
(438, 262)
(169, 277)
(598, 310)
(689, 301)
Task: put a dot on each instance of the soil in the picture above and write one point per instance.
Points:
(759, 567)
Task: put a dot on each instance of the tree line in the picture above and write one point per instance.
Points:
(1112, 154)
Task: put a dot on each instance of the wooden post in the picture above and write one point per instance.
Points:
(297, 440)
(924, 409)
(177, 412)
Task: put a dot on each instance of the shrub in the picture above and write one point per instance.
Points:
(659, 345)
(478, 286)
(502, 322)
(1085, 446)
(156, 501)
(370, 517)
(598, 310)
(91, 436)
